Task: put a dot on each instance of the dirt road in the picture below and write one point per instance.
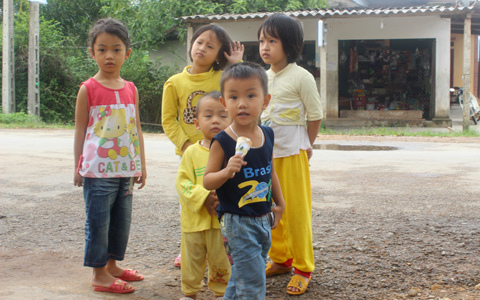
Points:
(389, 224)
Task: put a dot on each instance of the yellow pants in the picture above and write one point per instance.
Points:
(196, 248)
(293, 236)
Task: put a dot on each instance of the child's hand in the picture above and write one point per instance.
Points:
(211, 203)
(309, 153)
(185, 146)
(278, 212)
(235, 164)
(77, 179)
(140, 180)
(236, 53)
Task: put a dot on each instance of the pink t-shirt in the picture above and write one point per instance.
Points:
(111, 147)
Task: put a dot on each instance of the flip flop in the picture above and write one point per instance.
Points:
(298, 282)
(131, 275)
(178, 261)
(269, 272)
(117, 286)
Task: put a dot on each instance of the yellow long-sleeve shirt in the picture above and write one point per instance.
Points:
(180, 96)
(191, 192)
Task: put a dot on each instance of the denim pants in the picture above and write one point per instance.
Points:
(249, 239)
(108, 206)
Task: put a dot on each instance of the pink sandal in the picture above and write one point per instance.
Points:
(178, 261)
(131, 275)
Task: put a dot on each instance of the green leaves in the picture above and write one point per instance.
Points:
(150, 21)
(74, 18)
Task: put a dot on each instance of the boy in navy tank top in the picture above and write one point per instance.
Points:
(246, 185)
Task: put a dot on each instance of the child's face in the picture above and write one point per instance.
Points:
(212, 118)
(205, 49)
(109, 52)
(245, 99)
(271, 50)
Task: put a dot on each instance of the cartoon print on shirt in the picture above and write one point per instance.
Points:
(133, 142)
(258, 192)
(189, 112)
(111, 125)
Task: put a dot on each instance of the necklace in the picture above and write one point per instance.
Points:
(238, 136)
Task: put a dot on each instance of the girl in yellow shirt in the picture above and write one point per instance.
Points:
(210, 51)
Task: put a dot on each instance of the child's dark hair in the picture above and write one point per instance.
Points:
(286, 29)
(213, 94)
(244, 70)
(111, 26)
(222, 37)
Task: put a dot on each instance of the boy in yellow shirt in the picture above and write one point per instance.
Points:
(201, 235)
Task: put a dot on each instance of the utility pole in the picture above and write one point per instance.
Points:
(34, 60)
(466, 71)
(8, 67)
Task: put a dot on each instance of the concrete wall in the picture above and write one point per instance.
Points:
(246, 30)
(171, 53)
(402, 27)
(457, 40)
(242, 30)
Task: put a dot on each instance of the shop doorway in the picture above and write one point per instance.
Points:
(386, 75)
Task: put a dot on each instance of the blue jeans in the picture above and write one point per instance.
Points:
(249, 239)
(108, 205)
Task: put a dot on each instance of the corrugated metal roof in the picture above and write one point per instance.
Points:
(328, 13)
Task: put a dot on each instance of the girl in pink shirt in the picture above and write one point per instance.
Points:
(109, 157)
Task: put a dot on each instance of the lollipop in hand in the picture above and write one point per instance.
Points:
(242, 147)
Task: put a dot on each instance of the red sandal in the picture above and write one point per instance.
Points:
(117, 286)
(131, 275)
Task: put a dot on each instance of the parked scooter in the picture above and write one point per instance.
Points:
(474, 107)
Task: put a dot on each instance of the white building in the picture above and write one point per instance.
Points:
(377, 66)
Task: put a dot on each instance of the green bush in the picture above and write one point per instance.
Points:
(149, 78)
(20, 119)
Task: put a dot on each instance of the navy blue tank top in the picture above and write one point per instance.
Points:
(249, 193)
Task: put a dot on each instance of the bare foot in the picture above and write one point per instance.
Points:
(117, 272)
(102, 278)
(277, 267)
(295, 289)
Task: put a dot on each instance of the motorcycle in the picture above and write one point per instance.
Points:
(474, 107)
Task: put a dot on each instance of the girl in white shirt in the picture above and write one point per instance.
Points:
(294, 114)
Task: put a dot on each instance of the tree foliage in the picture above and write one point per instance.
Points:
(74, 17)
(158, 18)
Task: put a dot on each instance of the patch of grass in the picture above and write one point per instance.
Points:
(400, 131)
(23, 120)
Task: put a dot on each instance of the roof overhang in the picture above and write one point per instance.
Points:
(457, 21)
(456, 13)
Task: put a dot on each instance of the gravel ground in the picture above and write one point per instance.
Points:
(398, 224)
